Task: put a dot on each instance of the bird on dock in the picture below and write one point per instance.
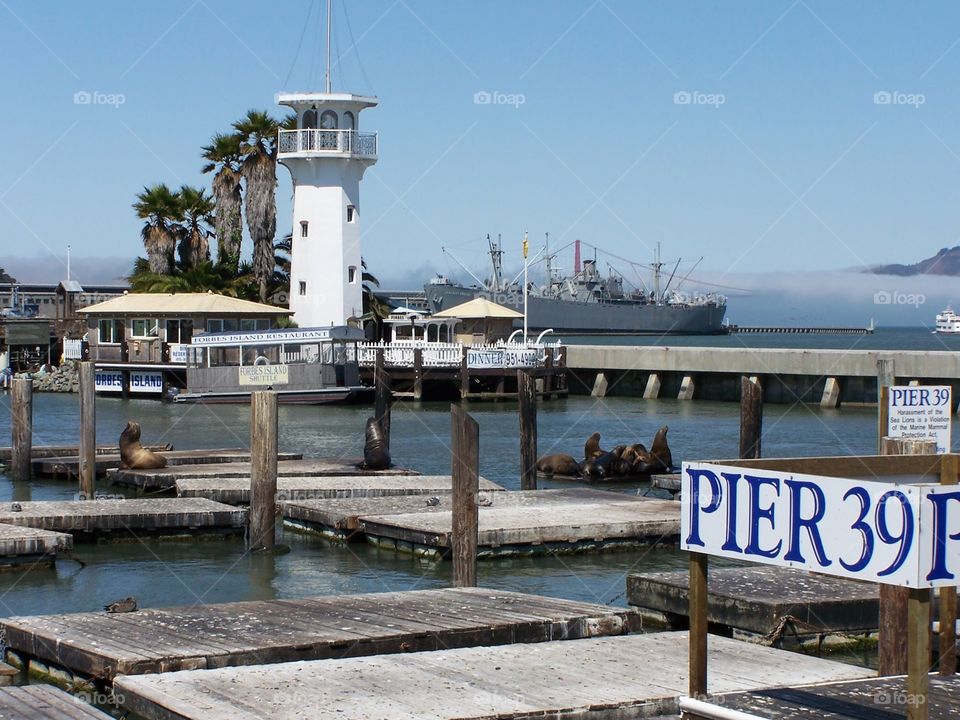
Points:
(484, 501)
(432, 501)
(122, 606)
(16, 507)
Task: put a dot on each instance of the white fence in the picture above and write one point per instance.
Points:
(450, 355)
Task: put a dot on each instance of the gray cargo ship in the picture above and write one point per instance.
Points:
(589, 303)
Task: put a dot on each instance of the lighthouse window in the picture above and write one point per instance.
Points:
(351, 213)
(303, 287)
(303, 228)
(328, 120)
(310, 120)
(348, 120)
(352, 274)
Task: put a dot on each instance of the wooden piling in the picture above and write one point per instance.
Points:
(527, 396)
(892, 651)
(949, 467)
(263, 469)
(465, 448)
(464, 373)
(751, 417)
(918, 652)
(885, 378)
(88, 432)
(698, 626)
(21, 422)
(382, 397)
(417, 373)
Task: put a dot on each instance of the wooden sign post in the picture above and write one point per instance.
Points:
(88, 431)
(527, 397)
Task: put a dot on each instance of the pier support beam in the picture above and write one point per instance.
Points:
(21, 426)
(418, 373)
(88, 432)
(465, 471)
(831, 393)
(686, 388)
(652, 390)
(600, 385)
(263, 469)
(527, 396)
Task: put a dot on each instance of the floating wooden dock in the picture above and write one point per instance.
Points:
(279, 631)
(759, 598)
(43, 702)
(534, 522)
(166, 478)
(119, 517)
(21, 546)
(69, 466)
(600, 678)
(873, 699)
(236, 491)
(45, 451)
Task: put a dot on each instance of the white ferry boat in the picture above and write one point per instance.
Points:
(948, 322)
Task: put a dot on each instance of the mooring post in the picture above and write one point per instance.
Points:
(21, 421)
(88, 431)
(263, 469)
(892, 650)
(464, 372)
(949, 466)
(527, 395)
(465, 448)
(381, 397)
(417, 373)
(697, 612)
(885, 378)
(918, 653)
(751, 417)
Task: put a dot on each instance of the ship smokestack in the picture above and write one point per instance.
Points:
(576, 257)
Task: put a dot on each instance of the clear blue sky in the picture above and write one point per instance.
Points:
(799, 168)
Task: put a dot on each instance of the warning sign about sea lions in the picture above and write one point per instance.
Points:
(264, 375)
(921, 412)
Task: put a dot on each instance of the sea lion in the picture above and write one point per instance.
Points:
(659, 459)
(591, 448)
(559, 464)
(376, 456)
(133, 455)
(601, 466)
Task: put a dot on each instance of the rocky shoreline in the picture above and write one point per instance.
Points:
(64, 379)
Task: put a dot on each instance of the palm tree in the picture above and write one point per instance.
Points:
(374, 309)
(258, 134)
(224, 156)
(282, 250)
(196, 208)
(160, 207)
(203, 277)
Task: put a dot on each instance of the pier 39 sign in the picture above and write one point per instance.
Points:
(894, 533)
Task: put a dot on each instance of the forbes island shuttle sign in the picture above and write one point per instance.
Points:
(894, 533)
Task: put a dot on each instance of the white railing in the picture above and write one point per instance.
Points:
(346, 142)
(450, 355)
(72, 349)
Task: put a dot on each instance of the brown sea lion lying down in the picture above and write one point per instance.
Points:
(133, 455)
(376, 456)
(559, 464)
(627, 460)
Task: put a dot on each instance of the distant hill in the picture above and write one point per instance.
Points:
(945, 262)
(5, 278)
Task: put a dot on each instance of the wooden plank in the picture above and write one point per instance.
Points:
(920, 468)
(43, 702)
(601, 679)
(276, 631)
(539, 524)
(236, 491)
(757, 598)
(166, 478)
(68, 465)
(25, 541)
(160, 514)
(72, 451)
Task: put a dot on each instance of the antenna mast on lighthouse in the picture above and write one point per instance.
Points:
(328, 84)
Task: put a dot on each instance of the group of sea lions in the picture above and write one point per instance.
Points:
(623, 461)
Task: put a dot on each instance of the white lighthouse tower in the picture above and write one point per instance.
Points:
(326, 155)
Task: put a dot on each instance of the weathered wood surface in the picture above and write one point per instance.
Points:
(465, 476)
(278, 631)
(873, 699)
(72, 451)
(600, 679)
(166, 478)
(68, 465)
(21, 428)
(44, 702)
(118, 515)
(666, 481)
(25, 541)
(236, 491)
(87, 460)
(542, 520)
(262, 533)
(757, 598)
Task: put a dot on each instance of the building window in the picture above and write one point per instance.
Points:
(304, 225)
(303, 287)
(254, 324)
(351, 213)
(348, 123)
(145, 328)
(215, 325)
(179, 330)
(352, 274)
(309, 120)
(110, 332)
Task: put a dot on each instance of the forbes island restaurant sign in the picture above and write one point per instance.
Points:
(894, 533)
(264, 375)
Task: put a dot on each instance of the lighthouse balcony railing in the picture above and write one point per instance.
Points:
(328, 142)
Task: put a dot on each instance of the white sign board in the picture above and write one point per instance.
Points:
(146, 382)
(900, 534)
(178, 353)
(502, 358)
(264, 375)
(108, 381)
(920, 412)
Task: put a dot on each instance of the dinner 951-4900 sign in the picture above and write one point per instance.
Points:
(895, 533)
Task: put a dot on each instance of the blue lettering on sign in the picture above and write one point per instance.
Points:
(694, 536)
(758, 513)
(941, 535)
(918, 396)
(798, 522)
(866, 532)
(905, 538)
(731, 541)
